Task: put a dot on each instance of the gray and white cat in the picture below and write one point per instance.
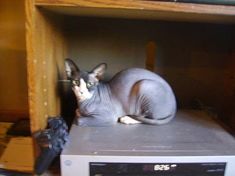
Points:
(132, 96)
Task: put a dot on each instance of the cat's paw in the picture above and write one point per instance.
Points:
(128, 120)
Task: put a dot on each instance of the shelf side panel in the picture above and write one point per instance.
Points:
(45, 54)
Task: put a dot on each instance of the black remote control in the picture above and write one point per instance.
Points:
(51, 142)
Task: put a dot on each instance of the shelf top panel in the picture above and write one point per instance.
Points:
(139, 9)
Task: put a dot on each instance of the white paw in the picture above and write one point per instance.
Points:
(128, 120)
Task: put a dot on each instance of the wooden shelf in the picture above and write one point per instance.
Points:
(51, 34)
(198, 55)
(142, 10)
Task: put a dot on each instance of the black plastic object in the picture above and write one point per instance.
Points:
(51, 142)
(20, 128)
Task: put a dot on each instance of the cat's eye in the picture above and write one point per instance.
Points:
(75, 82)
(89, 84)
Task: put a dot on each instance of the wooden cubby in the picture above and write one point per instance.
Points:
(194, 46)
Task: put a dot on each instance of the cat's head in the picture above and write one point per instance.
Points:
(83, 83)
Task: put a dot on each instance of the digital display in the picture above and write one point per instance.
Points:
(157, 169)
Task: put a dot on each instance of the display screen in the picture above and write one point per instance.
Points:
(157, 169)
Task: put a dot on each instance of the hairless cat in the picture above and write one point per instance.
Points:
(132, 96)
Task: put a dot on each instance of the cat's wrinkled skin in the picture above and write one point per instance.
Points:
(132, 96)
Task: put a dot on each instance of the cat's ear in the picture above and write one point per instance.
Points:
(71, 69)
(99, 70)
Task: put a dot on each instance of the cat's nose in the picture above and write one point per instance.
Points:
(77, 90)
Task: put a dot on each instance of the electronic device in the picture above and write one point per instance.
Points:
(192, 144)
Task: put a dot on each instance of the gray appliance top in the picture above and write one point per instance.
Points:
(191, 133)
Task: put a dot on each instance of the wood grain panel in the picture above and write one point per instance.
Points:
(13, 81)
(150, 56)
(45, 46)
(33, 65)
(143, 9)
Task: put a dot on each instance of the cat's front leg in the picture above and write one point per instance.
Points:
(77, 116)
(94, 121)
(85, 121)
(81, 120)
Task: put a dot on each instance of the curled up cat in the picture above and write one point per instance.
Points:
(132, 96)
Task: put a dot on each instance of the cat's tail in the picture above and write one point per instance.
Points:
(159, 121)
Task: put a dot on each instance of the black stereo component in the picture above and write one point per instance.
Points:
(155, 169)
